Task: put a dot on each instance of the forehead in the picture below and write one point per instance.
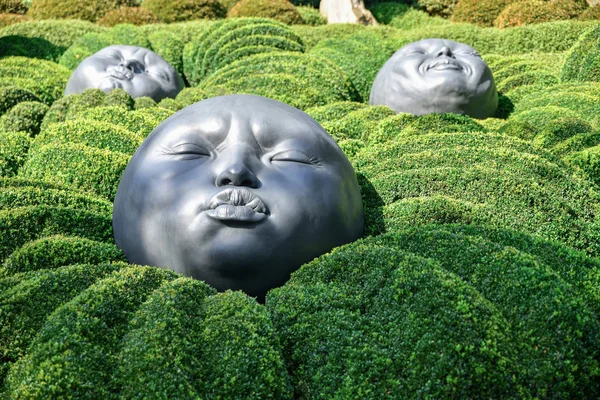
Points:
(129, 53)
(430, 45)
(269, 122)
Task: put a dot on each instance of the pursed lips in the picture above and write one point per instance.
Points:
(120, 73)
(236, 204)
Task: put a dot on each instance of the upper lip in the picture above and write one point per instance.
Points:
(443, 61)
(240, 204)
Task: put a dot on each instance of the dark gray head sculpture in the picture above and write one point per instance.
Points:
(238, 191)
(138, 71)
(436, 76)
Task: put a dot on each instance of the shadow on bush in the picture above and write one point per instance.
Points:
(29, 47)
(505, 107)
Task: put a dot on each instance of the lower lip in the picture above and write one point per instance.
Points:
(226, 212)
(117, 75)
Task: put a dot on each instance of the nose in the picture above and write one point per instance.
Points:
(236, 172)
(444, 51)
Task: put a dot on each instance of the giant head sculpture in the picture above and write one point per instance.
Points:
(138, 71)
(436, 76)
(238, 191)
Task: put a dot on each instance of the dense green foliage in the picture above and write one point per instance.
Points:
(279, 10)
(12, 7)
(311, 16)
(360, 57)
(184, 10)
(473, 279)
(231, 40)
(298, 79)
(88, 11)
(128, 15)
(24, 117)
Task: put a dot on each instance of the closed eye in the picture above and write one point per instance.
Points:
(294, 156)
(187, 151)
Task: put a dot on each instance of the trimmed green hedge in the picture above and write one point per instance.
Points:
(527, 12)
(74, 9)
(226, 342)
(358, 124)
(549, 37)
(311, 16)
(82, 167)
(128, 15)
(18, 192)
(360, 56)
(25, 224)
(93, 42)
(279, 10)
(585, 105)
(93, 133)
(26, 305)
(169, 46)
(512, 183)
(43, 39)
(24, 117)
(70, 106)
(368, 321)
(45, 79)
(138, 122)
(388, 319)
(480, 12)
(589, 161)
(184, 10)
(57, 251)
(13, 152)
(10, 96)
(298, 79)
(228, 349)
(230, 40)
(334, 111)
(582, 63)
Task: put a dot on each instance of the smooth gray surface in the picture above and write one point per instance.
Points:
(238, 191)
(138, 71)
(436, 76)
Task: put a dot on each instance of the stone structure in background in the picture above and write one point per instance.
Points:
(346, 11)
(238, 191)
(138, 71)
(436, 76)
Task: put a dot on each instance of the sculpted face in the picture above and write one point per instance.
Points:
(238, 191)
(138, 71)
(436, 76)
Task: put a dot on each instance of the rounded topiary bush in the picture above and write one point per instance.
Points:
(334, 111)
(25, 117)
(231, 40)
(10, 96)
(25, 224)
(53, 252)
(45, 79)
(360, 56)
(138, 123)
(128, 15)
(536, 11)
(171, 337)
(480, 12)
(280, 10)
(13, 151)
(91, 10)
(298, 79)
(358, 124)
(184, 10)
(97, 134)
(93, 42)
(442, 8)
(583, 60)
(97, 171)
(504, 182)
(311, 16)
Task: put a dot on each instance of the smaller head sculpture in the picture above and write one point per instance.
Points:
(436, 76)
(238, 191)
(138, 71)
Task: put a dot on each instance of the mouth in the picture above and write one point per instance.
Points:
(237, 205)
(444, 64)
(122, 75)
